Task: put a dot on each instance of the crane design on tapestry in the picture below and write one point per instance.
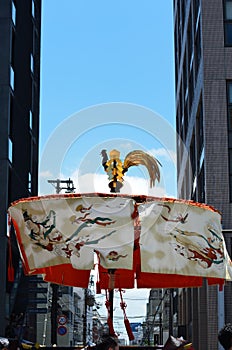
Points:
(116, 169)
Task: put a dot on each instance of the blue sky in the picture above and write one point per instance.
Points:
(96, 52)
(107, 81)
(100, 52)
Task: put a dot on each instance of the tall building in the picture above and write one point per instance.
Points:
(203, 85)
(20, 25)
(156, 327)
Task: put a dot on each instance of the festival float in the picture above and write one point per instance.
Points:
(140, 241)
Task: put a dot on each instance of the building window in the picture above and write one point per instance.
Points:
(32, 153)
(176, 62)
(186, 118)
(13, 13)
(199, 132)
(193, 156)
(12, 77)
(193, 196)
(32, 63)
(201, 159)
(10, 150)
(228, 22)
(201, 185)
(183, 6)
(197, 50)
(229, 104)
(29, 181)
(191, 89)
(185, 75)
(190, 41)
(33, 9)
(30, 119)
(196, 12)
(229, 90)
(230, 246)
(11, 115)
(229, 123)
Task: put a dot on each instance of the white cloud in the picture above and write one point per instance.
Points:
(99, 183)
(45, 174)
(165, 153)
(136, 181)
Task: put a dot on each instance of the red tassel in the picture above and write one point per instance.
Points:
(128, 329)
(109, 319)
(126, 321)
(111, 327)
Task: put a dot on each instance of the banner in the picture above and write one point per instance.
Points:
(60, 230)
(160, 243)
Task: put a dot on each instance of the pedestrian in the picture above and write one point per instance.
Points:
(225, 336)
(173, 343)
(4, 343)
(108, 343)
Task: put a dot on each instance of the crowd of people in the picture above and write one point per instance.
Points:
(224, 338)
(172, 343)
(111, 343)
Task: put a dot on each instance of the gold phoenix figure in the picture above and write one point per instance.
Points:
(116, 169)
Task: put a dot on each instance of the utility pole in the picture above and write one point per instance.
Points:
(58, 184)
(85, 318)
(111, 297)
(54, 313)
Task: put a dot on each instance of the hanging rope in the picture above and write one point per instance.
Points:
(98, 286)
(109, 319)
(126, 321)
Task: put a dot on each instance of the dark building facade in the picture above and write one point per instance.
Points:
(203, 84)
(20, 26)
